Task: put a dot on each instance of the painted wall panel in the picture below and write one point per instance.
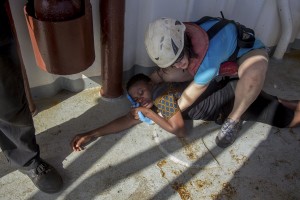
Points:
(261, 15)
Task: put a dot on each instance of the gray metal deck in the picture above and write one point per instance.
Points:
(145, 162)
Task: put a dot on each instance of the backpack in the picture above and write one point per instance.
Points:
(245, 39)
(245, 36)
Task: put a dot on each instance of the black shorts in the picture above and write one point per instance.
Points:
(217, 102)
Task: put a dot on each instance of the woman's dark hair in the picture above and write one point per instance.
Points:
(136, 78)
(188, 47)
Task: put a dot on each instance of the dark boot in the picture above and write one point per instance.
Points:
(45, 177)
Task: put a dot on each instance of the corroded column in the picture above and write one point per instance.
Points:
(112, 38)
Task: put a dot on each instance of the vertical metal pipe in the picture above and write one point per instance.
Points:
(32, 106)
(112, 38)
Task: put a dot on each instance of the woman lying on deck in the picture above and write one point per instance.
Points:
(158, 102)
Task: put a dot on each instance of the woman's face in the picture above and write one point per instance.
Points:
(182, 62)
(141, 93)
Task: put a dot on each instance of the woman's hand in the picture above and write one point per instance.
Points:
(134, 112)
(79, 140)
(174, 125)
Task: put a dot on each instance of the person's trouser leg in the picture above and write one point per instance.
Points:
(17, 133)
(18, 145)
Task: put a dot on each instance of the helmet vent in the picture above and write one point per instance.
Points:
(157, 58)
(177, 22)
(174, 46)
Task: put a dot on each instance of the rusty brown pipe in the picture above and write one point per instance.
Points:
(32, 106)
(112, 38)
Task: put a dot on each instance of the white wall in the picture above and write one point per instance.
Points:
(261, 15)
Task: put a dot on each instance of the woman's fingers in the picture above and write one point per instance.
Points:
(77, 142)
(134, 113)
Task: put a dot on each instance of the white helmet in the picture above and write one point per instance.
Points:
(164, 40)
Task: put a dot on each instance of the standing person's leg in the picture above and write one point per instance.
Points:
(17, 132)
(252, 71)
